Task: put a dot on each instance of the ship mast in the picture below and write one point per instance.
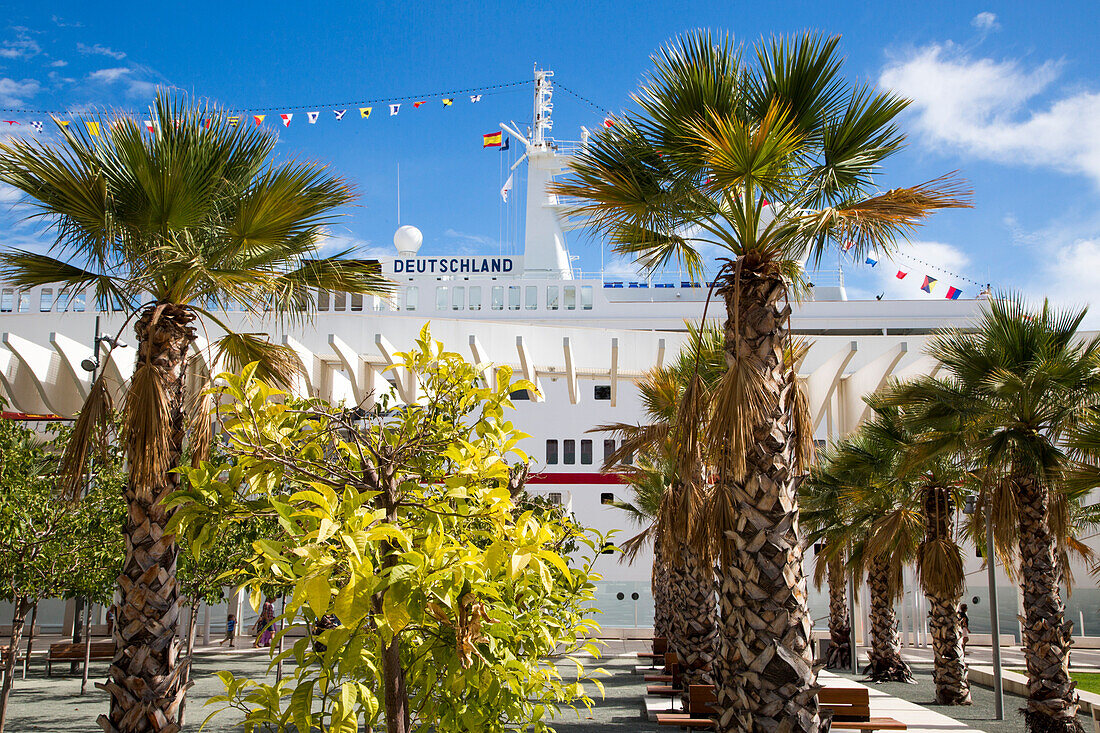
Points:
(545, 253)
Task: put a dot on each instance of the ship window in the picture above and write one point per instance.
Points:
(551, 452)
(520, 394)
(570, 451)
(554, 497)
(602, 392)
(608, 449)
(6, 298)
(62, 301)
(570, 297)
(458, 297)
(628, 459)
(475, 297)
(607, 498)
(498, 297)
(78, 301)
(357, 301)
(531, 301)
(552, 297)
(441, 298)
(586, 297)
(24, 302)
(513, 297)
(339, 301)
(412, 295)
(45, 300)
(586, 452)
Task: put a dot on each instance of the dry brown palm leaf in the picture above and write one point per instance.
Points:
(940, 566)
(200, 409)
(740, 403)
(147, 417)
(88, 428)
(632, 547)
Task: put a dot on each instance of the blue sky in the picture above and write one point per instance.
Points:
(1006, 93)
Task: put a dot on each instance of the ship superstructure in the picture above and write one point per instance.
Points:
(581, 338)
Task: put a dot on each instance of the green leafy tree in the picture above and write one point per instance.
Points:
(51, 546)
(430, 600)
(1013, 389)
(178, 225)
(772, 160)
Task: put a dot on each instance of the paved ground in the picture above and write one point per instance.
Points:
(40, 705)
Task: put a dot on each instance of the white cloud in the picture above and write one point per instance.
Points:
(60, 22)
(985, 22)
(13, 92)
(23, 47)
(989, 109)
(108, 76)
(100, 50)
(135, 86)
(59, 63)
(8, 194)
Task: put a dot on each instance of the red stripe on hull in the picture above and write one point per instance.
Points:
(575, 478)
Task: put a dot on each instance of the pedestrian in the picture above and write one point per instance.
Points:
(110, 619)
(230, 631)
(964, 626)
(265, 625)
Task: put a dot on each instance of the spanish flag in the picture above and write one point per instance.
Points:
(492, 140)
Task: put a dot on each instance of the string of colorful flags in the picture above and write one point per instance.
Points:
(928, 283)
(284, 115)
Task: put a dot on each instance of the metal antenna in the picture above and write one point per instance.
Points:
(399, 194)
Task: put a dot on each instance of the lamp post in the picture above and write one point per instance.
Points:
(994, 622)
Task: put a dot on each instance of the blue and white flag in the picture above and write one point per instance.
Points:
(871, 260)
(394, 108)
(339, 113)
(312, 117)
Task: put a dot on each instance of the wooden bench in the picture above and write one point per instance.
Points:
(671, 679)
(69, 652)
(850, 708)
(660, 648)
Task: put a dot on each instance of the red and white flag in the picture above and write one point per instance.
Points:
(902, 274)
(149, 126)
(287, 118)
(608, 122)
(507, 187)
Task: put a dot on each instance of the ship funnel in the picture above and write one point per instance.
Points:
(407, 239)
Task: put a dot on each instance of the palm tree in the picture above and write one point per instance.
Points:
(1015, 386)
(771, 162)
(881, 530)
(649, 483)
(682, 474)
(181, 222)
(927, 487)
(823, 515)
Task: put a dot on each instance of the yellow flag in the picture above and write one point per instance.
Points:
(364, 112)
(93, 127)
(62, 123)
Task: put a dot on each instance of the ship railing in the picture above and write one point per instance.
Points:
(659, 280)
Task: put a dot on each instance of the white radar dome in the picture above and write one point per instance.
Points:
(407, 239)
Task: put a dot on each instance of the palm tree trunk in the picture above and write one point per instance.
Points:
(765, 674)
(885, 663)
(18, 617)
(144, 679)
(840, 625)
(948, 664)
(662, 606)
(1051, 701)
(697, 632)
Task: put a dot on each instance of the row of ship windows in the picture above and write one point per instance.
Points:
(458, 297)
(12, 300)
(472, 297)
(568, 455)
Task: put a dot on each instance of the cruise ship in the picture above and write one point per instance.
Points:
(581, 338)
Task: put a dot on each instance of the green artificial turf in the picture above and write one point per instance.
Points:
(1087, 681)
